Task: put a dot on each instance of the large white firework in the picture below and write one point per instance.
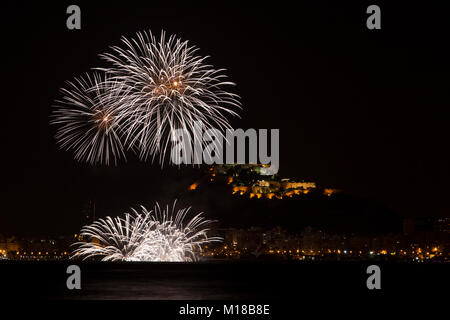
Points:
(152, 87)
(87, 124)
(156, 235)
(164, 85)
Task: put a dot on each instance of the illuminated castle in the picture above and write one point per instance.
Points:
(247, 179)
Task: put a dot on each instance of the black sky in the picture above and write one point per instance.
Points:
(364, 111)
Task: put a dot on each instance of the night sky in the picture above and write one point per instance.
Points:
(359, 110)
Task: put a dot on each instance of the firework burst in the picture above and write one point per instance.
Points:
(156, 235)
(87, 124)
(164, 85)
(152, 87)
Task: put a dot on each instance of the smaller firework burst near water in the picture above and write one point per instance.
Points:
(161, 234)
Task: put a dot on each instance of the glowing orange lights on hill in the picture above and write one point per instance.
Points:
(329, 191)
(240, 189)
(193, 186)
(262, 187)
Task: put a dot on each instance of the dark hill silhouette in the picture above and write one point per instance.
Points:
(337, 213)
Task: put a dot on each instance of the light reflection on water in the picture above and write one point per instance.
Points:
(167, 282)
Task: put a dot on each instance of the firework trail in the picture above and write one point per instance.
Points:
(153, 86)
(156, 235)
(87, 124)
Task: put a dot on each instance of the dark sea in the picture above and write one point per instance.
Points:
(259, 281)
